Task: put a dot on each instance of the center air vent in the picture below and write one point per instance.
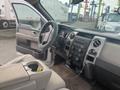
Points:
(96, 43)
(72, 35)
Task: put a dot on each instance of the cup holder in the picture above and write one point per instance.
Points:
(33, 66)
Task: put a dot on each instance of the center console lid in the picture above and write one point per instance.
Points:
(15, 76)
(12, 74)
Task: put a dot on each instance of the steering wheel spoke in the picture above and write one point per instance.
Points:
(47, 35)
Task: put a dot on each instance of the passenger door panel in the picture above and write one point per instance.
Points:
(29, 25)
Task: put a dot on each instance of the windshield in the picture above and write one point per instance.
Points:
(85, 14)
(114, 18)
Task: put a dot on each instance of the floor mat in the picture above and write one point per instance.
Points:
(73, 81)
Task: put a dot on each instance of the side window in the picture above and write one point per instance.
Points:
(27, 16)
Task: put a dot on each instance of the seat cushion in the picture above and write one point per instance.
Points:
(56, 82)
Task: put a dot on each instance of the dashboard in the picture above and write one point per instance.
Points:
(90, 53)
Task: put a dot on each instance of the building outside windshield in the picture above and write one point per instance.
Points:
(59, 45)
(91, 14)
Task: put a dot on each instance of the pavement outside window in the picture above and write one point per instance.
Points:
(7, 45)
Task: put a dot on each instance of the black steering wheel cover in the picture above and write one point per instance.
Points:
(53, 38)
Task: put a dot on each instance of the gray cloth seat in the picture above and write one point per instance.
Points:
(55, 82)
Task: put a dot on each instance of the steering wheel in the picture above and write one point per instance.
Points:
(47, 35)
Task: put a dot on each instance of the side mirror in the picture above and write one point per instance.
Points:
(75, 1)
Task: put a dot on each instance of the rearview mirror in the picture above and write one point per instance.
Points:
(75, 1)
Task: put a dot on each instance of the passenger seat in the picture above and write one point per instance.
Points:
(55, 82)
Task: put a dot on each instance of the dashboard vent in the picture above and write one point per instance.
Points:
(72, 35)
(96, 43)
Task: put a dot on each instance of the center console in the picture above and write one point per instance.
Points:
(82, 52)
(94, 49)
(29, 75)
(92, 54)
(77, 52)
